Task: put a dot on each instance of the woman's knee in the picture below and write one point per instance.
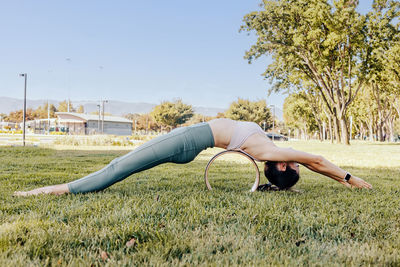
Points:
(184, 157)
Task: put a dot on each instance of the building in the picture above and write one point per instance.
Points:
(80, 123)
(40, 126)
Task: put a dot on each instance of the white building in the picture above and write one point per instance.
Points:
(80, 123)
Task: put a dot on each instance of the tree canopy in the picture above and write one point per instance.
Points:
(172, 113)
(320, 44)
(246, 110)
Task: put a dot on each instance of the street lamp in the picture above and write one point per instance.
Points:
(98, 122)
(102, 123)
(48, 117)
(273, 122)
(68, 81)
(24, 115)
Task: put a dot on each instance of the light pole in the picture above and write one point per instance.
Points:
(68, 81)
(273, 122)
(102, 123)
(24, 114)
(48, 117)
(135, 125)
(98, 121)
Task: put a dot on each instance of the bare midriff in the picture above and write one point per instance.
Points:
(222, 130)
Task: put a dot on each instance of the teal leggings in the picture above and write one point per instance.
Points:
(181, 145)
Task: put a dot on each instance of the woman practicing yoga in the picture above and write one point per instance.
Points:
(182, 145)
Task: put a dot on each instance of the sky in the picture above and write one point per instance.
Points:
(133, 51)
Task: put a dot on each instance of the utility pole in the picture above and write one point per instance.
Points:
(98, 122)
(273, 123)
(24, 115)
(135, 125)
(48, 117)
(102, 123)
(68, 81)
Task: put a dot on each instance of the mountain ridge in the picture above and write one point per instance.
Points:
(115, 107)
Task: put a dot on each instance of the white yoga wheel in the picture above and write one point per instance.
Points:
(257, 181)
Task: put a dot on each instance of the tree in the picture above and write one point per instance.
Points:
(3, 117)
(320, 42)
(80, 109)
(365, 113)
(383, 38)
(172, 113)
(197, 118)
(18, 115)
(63, 106)
(298, 114)
(246, 110)
(42, 111)
(142, 122)
(220, 115)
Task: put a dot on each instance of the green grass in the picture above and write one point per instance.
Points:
(176, 221)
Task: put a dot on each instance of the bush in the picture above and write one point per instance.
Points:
(94, 140)
(57, 133)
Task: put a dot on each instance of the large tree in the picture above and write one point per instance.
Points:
(383, 38)
(172, 113)
(320, 42)
(246, 110)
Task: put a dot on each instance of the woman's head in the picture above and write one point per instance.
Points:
(282, 174)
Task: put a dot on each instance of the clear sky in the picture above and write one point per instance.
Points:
(129, 50)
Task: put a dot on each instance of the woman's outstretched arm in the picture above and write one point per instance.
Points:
(315, 163)
(265, 150)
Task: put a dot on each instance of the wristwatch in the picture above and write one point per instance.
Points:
(347, 177)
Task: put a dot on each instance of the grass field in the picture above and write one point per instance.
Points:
(171, 219)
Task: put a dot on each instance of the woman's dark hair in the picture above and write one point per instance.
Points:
(282, 179)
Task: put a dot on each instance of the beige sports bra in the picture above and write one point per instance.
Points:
(242, 131)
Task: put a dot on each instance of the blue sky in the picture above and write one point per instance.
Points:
(134, 51)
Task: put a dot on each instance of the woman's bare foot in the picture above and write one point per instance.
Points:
(53, 189)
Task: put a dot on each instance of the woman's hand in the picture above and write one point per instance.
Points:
(358, 183)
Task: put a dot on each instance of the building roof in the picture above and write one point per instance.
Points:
(91, 117)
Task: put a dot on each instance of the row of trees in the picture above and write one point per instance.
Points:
(368, 118)
(42, 112)
(165, 116)
(168, 115)
(335, 62)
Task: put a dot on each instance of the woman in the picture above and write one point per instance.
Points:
(182, 145)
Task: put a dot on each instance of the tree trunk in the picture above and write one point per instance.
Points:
(336, 127)
(362, 131)
(329, 116)
(371, 130)
(379, 131)
(390, 128)
(344, 131)
(321, 137)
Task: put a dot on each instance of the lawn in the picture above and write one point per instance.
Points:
(169, 218)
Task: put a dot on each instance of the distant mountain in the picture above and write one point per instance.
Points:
(118, 108)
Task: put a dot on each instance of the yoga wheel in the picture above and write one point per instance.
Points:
(257, 181)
